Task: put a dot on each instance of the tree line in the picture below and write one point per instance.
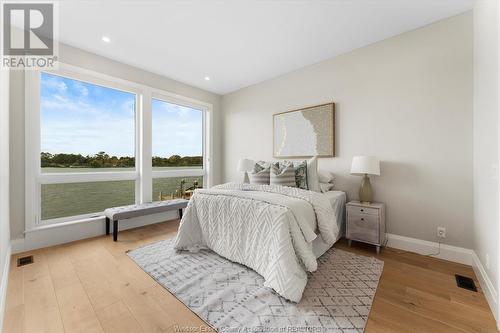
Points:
(103, 160)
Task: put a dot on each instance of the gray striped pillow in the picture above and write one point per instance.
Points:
(260, 174)
(283, 175)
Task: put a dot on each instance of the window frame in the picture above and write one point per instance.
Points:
(143, 174)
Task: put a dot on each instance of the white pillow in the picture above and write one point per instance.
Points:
(325, 187)
(325, 176)
(312, 175)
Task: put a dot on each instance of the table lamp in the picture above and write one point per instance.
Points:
(245, 165)
(364, 166)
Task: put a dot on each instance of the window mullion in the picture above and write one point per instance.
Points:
(145, 148)
(32, 141)
(68, 178)
(178, 173)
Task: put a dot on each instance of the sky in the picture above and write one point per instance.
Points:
(83, 118)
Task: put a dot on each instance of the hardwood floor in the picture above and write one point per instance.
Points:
(92, 286)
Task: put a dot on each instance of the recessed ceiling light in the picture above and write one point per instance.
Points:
(106, 39)
(207, 78)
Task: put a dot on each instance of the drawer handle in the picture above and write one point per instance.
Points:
(362, 210)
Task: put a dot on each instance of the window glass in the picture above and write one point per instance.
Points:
(64, 200)
(168, 186)
(85, 127)
(177, 136)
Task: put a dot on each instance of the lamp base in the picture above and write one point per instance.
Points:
(365, 191)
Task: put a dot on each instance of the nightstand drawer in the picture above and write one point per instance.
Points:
(363, 228)
(362, 210)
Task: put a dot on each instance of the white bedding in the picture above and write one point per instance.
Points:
(338, 201)
(271, 229)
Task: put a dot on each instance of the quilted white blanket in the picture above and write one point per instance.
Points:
(268, 228)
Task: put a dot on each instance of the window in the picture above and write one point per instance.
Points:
(85, 129)
(95, 142)
(177, 147)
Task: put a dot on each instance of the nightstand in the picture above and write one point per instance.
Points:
(366, 223)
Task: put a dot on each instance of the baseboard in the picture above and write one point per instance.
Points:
(3, 286)
(451, 253)
(486, 285)
(65, 233)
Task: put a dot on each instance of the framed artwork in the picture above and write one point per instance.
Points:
(305, 132)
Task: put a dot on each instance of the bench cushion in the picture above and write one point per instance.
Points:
(127, 212)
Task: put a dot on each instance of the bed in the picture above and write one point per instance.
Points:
(338, 202)
(278, 231)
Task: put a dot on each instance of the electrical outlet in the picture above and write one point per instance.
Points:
(441, 232)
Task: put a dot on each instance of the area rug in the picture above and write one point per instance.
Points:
(232, 298)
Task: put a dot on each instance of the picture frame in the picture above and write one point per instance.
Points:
(305, 132)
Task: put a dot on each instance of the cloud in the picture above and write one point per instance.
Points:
(81, 89)
(61, 99)
(54, 82)
(87, 138)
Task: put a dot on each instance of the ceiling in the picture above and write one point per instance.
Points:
(239, 43)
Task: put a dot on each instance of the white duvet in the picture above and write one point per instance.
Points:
(268, 228)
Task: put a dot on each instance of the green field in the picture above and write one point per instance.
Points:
(62, 200)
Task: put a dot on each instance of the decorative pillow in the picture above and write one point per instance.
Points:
(283, 174)
(260, 174)
(312, 175)
(325, 187)
(301, 170)
(325, 176)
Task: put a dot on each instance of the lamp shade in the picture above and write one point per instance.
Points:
(244, 164)
(365, 165)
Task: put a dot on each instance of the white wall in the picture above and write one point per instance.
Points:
(4, 188)
(80, 58)
(486, 139)
(406, 100)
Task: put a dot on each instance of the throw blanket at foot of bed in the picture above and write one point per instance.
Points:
(265, 227)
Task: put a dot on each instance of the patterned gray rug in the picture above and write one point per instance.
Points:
(231, 297)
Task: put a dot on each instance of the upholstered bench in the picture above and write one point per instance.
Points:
(116, 214)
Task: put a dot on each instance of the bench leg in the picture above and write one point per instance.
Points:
(180, 214)
(115, 230)
(107, 225)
